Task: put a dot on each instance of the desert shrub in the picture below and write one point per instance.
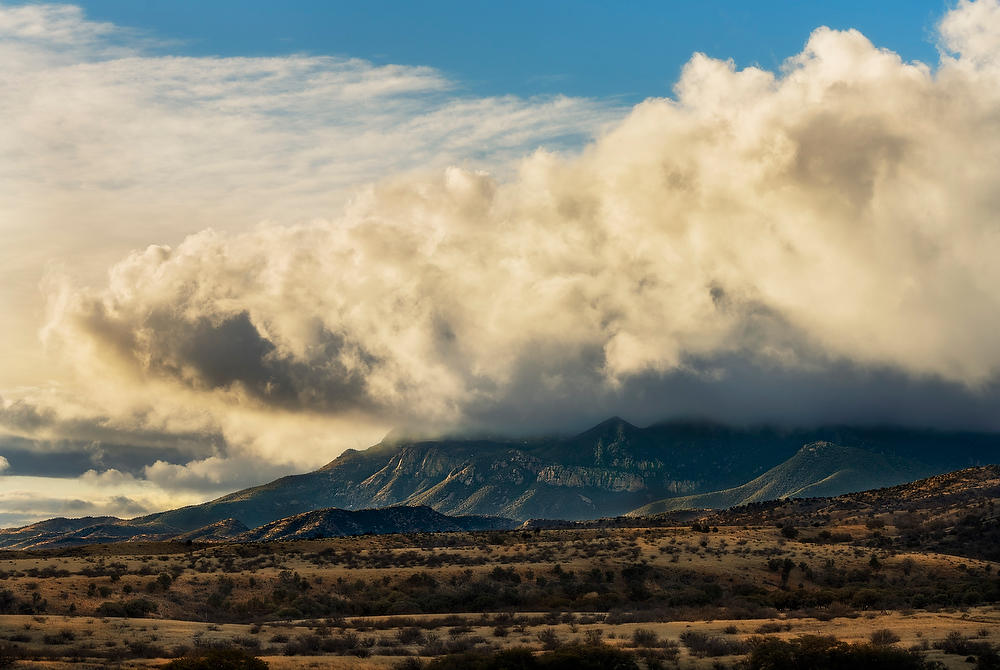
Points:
(217, 659)
(956, 643)
(9, 654)
(549, 639)
(883, 638)
(144, 649)
(988, 661)
(643, 637)
(137, 607)
(772, 627)
(62, 637)
(588, 658)
(246, 641)
(810, 652)
(702, 644)
(566, 658)
(411, 635)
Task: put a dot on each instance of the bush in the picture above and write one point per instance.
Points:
(217, 659)
(818, 651)
(137, 607)
(643, 637)
(9, 653)
(883, 638)
(411, 635)
(772, 627)
(62, 637)
(549, 639)
(702, 645)
(566, 658)
(956, 643)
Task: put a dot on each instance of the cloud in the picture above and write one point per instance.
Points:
(22, 507)
(98, 493)
(832, 219)
(4, 464)
(213, 474)
(811, 245)
(109, 145)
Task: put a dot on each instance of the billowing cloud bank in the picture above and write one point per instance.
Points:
(816, 244)
(842, 212)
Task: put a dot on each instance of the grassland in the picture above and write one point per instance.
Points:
(375, 601)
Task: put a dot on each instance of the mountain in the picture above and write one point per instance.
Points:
(43, 531)
(220, 531)
(338, 522)
(63, 533)
(817, 470)
(608, 470)
(611, 469)
(954, 513)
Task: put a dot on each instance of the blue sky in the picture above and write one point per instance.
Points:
(632, 50)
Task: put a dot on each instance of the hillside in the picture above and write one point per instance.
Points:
(817, 470)
(338, 523)
(314, 524)
(609, 470)
(955, 513)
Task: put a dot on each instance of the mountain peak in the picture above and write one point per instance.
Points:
(614, 425)
(820, 447)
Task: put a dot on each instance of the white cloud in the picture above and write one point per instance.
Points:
(213, 474)
(757, 230)
(106, 147)
(28, 499)
(4, 464)
(837, 211)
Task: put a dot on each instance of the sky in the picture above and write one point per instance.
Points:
(239, 238)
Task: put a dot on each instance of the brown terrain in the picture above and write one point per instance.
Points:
(918, 560)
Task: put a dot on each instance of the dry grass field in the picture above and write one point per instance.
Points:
(374, 601)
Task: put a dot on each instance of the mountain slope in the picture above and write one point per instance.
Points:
(819, 469)
(955, 513)
(608, 470)
(63, 533)
(220, 531)
(25, 536)
(338, 522)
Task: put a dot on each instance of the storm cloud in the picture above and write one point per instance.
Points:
(831, 226)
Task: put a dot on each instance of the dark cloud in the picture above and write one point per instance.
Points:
(228, 352)
(71, 458)
(735, 390)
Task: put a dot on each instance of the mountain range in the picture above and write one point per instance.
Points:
(611, 469)
(331, 522)
(819, 469)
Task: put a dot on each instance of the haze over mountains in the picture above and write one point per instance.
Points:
(612, 469)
